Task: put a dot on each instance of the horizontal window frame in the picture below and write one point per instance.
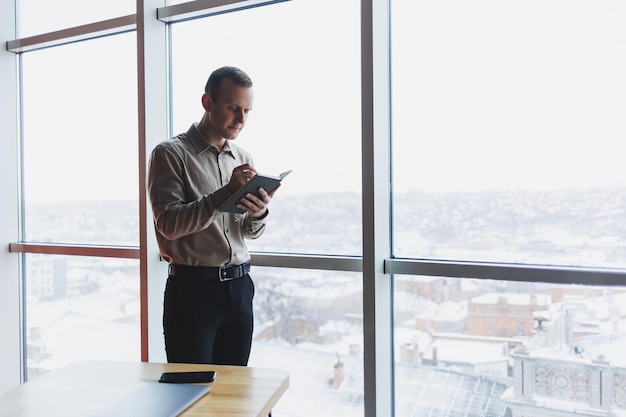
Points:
(126, 252)
(168, 14)
(203, 8)
(507, 272)
(302, 261)
(400, 266)
(94, 30)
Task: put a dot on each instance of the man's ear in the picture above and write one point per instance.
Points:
(206, 101)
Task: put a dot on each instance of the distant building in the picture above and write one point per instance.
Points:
(47, 278)
(445, 317)
(559, 373)
(480, 355)
(437, 289)
(335, 386)
(504, 314)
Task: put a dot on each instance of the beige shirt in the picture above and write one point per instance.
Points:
(187, 182)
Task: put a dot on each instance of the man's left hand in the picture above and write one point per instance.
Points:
(254, 206)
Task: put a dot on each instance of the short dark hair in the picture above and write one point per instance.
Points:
(238, 76)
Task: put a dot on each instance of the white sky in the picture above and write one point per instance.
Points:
(487, 94)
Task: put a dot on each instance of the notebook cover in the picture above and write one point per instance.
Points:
(267, 182)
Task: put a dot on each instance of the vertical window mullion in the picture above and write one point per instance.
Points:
(377, 291)
(153, 128)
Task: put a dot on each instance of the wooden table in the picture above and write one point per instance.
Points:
(86, 387)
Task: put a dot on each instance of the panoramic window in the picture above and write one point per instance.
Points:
(507, 132)
(306, 117)
(80, 143)
(468, 347)
(80, 187)
(506, 139)
(306, 114)
(310, 323)
(80, 308)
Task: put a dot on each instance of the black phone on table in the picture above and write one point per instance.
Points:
(187, 377)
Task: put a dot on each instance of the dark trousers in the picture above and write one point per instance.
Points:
(206, 320)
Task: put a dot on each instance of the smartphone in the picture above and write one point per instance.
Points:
(187, 377)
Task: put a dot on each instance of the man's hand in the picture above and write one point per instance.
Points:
(254, 206)
(241, 175)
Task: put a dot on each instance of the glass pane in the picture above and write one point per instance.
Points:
(508, 131)
(310, 323)
(474, 348)
(306, 114)
(79, 309)
(80, 143)
(42, 16)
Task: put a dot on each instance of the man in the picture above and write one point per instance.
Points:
(207, 308)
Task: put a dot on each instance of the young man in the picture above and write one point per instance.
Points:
(207, 308)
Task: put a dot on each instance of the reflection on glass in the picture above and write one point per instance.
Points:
(507, 131)
(467, 347)
(310, 323)
(80, 143)
(306, 113)
(80, 309)
(42, 16)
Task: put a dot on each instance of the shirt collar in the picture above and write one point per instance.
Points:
(200, 144)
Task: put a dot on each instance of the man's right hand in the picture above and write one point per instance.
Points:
(241, 175)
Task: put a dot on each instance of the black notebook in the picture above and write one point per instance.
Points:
(152, 399)
(267, 182)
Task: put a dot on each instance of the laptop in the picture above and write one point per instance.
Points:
(153, 399)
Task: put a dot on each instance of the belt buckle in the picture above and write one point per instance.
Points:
(223, 271)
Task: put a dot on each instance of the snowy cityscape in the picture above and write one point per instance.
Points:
(462, 347)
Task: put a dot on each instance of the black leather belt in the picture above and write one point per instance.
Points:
(223, 273)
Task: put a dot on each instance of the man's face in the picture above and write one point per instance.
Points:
(229, 112)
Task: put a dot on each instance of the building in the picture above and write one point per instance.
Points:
(562, 372)
(504, 314)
